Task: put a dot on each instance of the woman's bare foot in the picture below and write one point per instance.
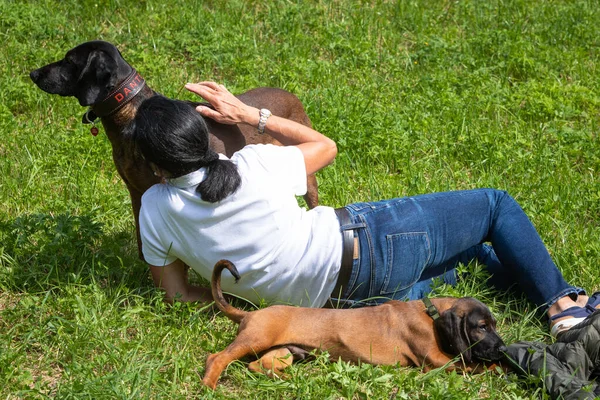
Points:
(562, 304)
(582, 300)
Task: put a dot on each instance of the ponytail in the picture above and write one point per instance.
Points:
(222, 179)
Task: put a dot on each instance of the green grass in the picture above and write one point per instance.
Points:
(420, 96)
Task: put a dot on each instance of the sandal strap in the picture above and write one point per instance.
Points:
(575, 312)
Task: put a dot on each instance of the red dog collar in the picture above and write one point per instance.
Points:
(122, 95)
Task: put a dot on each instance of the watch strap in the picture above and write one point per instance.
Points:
(262, 121)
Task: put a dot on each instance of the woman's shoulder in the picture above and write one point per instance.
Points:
(155, 194)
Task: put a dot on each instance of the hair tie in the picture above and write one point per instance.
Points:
(211, 157)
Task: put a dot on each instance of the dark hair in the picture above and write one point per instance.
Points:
(174, 136)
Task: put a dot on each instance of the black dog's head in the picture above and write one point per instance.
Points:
(88, 72)
(469, 329)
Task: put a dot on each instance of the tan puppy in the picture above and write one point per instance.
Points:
(396, 332)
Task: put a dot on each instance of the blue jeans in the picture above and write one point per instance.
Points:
(407, 242)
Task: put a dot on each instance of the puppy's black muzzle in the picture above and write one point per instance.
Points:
(491, 348)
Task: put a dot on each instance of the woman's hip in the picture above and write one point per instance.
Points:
(401, 238)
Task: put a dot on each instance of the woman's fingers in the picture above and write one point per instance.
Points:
(227, 108)
(210, 84)
(206, 90)
(210, 113)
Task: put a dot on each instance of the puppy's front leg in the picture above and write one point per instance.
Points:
(437, 359)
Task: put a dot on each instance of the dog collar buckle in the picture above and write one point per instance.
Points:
(432, 311)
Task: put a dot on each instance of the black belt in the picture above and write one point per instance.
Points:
(347, 253)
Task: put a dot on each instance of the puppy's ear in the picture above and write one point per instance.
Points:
(452, 331)
(97, 79)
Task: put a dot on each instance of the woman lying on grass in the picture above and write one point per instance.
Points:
(244, 209)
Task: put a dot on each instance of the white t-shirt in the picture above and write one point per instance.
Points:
(284, 254)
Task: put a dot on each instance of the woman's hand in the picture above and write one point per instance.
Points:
(173, 279)
(318, 150)
(227, 109)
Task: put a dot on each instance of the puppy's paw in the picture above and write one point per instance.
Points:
(273, 362)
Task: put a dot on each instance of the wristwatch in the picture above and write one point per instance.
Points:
(262, 121)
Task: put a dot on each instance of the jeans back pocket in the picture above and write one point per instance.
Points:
(407, 257)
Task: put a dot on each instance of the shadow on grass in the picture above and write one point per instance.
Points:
(39, 252)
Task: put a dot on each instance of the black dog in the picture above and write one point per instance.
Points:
(97, 75)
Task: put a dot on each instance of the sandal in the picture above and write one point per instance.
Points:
(567, 319)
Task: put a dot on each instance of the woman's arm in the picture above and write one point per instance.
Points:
(318, 150)
(173, 279)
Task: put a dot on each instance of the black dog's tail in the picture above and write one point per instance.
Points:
(234, 314)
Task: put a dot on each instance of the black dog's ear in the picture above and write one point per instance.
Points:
(97, 79)
(453, 334)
